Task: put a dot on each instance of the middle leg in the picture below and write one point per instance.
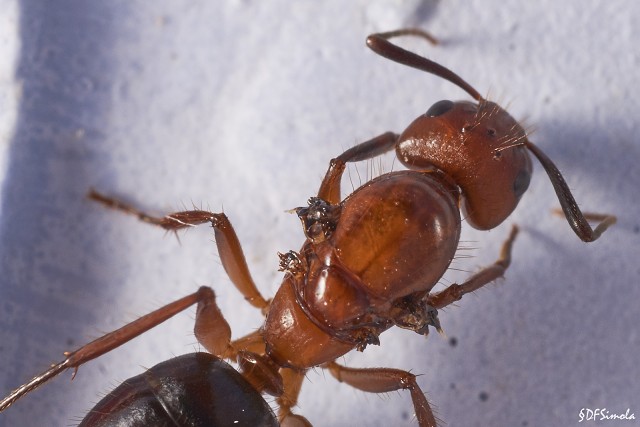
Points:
(231, 255)
(384, 380)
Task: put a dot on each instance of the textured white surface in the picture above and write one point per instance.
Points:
(241, 104)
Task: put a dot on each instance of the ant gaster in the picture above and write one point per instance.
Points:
(369, 262)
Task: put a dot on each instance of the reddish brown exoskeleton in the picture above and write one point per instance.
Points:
(369, 262)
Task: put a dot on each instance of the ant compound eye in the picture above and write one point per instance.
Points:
(439, 108)
(521, 183)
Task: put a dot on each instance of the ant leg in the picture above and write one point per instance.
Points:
(330, 187)
(110, 341)
(229, 248)
(292, 384)
(208, 322)
(253, 342)
(213, 332)
(384, 380)
(577, 220)
(487, 275)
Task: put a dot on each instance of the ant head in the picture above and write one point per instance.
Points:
(481, 147)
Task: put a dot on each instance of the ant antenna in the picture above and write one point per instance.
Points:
(380, 44)
(575, 217)
(578, 220)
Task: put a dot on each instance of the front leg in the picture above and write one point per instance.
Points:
(330, 187)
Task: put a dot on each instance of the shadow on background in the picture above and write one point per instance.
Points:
(46, 226)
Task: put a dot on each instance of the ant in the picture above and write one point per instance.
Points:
(369, 262)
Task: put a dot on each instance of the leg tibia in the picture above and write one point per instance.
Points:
(487, 275)
(229, 248)
(383, 380)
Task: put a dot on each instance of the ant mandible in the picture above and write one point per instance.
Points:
(369, 262)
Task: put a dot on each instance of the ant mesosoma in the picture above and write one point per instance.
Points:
(369, 262)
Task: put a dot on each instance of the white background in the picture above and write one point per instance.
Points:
(240, 105)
